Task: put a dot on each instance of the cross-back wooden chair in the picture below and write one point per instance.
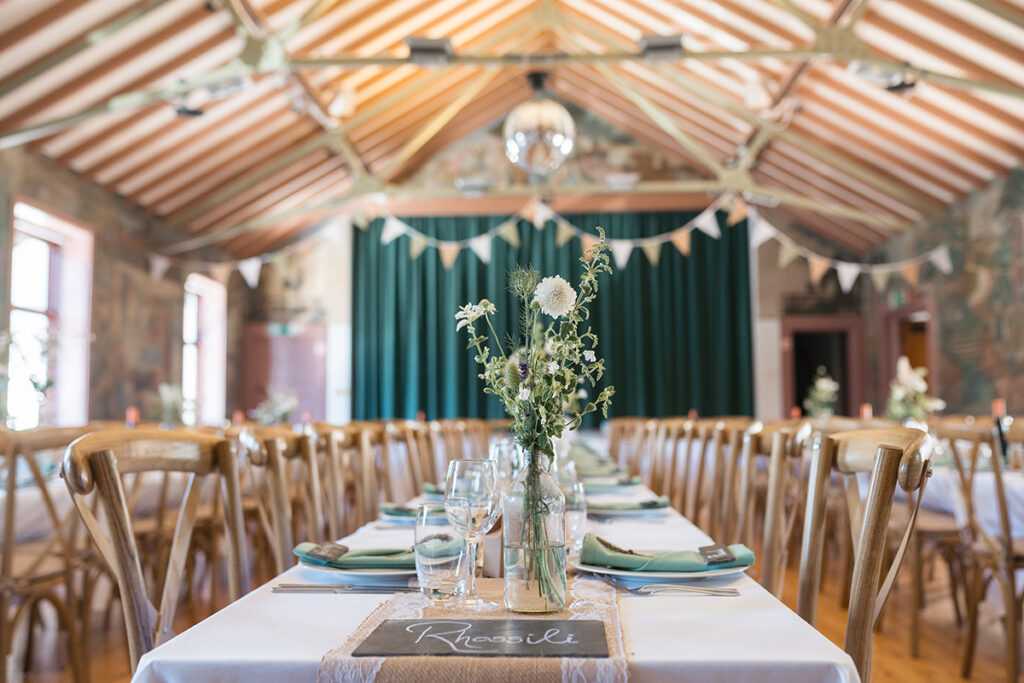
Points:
(359, 473)
(407, 444)
(95, 464)
(724, 456)
(894, 456)
(624, 436)
(293, 490)
(449, 438)
(781, 444)
(994, 553)
(40, 567)
(688, 443)
(662, 447)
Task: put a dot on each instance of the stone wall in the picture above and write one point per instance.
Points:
(136, 322)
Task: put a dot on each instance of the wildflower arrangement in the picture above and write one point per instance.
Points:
(276, 408)
(172, 403)
(822, 396)
(908, 394)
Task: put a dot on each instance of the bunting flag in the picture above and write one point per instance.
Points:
(481, 246)
(760, 231)
(681, 240)
(653, 252)
(158, 265)
(737, 213)
(910, 272)
(880, 279)
(509, 231)
(448, 252)
(708, 224)
(848, 273)
(393, 229)
(563, 232)
(540, 214)
(587, 242)
(250, 269)
(941, 259)
(817, 266)
(621, 251)
(416, 246)
(787, 252)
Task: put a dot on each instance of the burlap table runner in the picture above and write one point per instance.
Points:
(587, 599)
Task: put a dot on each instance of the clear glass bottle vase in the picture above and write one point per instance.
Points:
(533, 528)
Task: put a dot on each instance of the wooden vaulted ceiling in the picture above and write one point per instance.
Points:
(850, 160)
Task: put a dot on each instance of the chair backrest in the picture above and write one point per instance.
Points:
(96, 462)
(687, 443)
(727, 433)
(409, 452)
(892, 456)
(623, 436)
(292, 471)
(781, 442)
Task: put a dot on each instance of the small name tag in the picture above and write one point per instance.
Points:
(486, 638)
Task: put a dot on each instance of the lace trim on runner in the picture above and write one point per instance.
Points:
(592, 599)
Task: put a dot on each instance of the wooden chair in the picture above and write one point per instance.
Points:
(781, 443)
(41, 568)
(95, 464)
(408, 444)
(624, 433)
(720, 515)
(892, 456)
(994, 554)
(293, 490)
(357, 474)
(688, 443)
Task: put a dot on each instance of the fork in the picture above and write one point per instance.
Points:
(655, 588)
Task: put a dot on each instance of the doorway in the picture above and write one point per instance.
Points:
(834, 342)
(813, 350)
(909, 333)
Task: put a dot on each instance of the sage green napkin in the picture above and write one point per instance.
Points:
(370, 558)
(653, 504)
(601, 485)
(600, 553)
(433, 490)
(441, 545)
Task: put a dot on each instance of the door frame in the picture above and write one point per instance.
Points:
(852, 325)
(923, 301)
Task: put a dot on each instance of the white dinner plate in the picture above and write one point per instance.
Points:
(358, 573)
(655, 577)
(638, 512)
(397, 519)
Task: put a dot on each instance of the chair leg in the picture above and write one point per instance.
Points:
(916, 593)
(1011, 619)
(973, 594)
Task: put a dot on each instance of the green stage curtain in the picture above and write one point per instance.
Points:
(675, 336)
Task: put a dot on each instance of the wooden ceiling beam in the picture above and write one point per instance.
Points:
(15, 34)
(845, 234)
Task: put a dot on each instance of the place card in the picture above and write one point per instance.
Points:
(486, 638)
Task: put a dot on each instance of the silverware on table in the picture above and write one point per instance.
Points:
(655, 588)
(339, 588)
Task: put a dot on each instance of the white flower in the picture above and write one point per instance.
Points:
(467, 314)
(590, 356)
(486, 306)
(582, 393)
(552, 367)
(555, 296)
(909, 377)
(524, 394)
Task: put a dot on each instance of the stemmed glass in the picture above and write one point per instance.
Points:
(507, 457)
(471, 501)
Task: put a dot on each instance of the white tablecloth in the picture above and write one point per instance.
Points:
(282, 637)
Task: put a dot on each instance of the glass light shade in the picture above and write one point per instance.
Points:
(539, 136)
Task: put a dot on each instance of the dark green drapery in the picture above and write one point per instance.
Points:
(675, 336)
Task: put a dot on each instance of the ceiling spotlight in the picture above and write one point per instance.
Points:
(661, 47)
(429, 51)
(904, 88)
(475, 185)
(883, 76)
(186, 111)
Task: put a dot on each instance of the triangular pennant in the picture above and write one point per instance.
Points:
(681, 240)
(481, 246)
(158, 265)
(540, 214)
(564, 232)
(787, 252)
(818, 267)
(737, 213)
(448, 252)
(880, 279)
(653, 252)
(336, 232)
(707, 223)
(760, 231)
(941, 259)
(509, 231)
(621, 251)
(416, 246)
(587, 242)
(847, 273)
(220, 272)
(393, 229)
(250, 269)
(910, 272)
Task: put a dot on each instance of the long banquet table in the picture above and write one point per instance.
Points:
(754, 637)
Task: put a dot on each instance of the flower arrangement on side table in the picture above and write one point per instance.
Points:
(822, 396)
(908, 395)
(534, 379)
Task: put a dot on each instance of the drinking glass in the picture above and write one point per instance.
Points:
(507, 456)
(441, 558)
(471, 502)
(575, 516)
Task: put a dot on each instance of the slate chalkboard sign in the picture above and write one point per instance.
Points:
(486, 638)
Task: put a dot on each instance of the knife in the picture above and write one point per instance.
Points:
(338, 588)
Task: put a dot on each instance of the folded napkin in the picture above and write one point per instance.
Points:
(600, 553)
(370, 558)
(441, 546)
(625, 481)
(396, 510)
(433, 490)
(653, 504)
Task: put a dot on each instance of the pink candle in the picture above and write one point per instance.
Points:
(131, 416)
(866, 411)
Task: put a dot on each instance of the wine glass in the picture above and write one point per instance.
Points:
(507, 456)
(471, 501)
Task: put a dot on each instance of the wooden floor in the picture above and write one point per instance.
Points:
(941, 645)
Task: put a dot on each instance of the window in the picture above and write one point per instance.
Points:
(204, 350)
(48, 342)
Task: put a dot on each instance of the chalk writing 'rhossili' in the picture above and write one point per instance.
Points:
(457, 635)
